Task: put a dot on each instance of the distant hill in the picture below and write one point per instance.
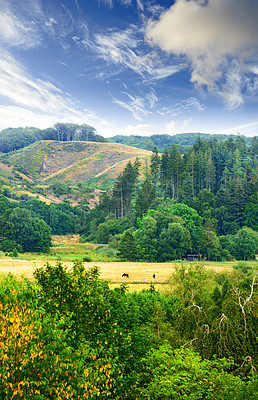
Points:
(182, 140)
(59, 170)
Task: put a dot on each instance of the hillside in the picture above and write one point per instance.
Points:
(53, 169)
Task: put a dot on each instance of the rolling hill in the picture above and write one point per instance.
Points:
(35, 169)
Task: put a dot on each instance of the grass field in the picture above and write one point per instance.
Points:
(67, 250)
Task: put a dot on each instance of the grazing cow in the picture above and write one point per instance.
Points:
(154, 276)
(125, 275)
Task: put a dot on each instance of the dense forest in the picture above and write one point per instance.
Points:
(68, 335)
(16, 138)
(203, 202)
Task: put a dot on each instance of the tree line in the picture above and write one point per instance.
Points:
(16, 138)
(28, 225)
(182, 140)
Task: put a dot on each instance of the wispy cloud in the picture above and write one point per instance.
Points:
(136, 105)
(232, 88)
(182, 106)
(127, 49)
(248, 129)
(26, 24)
(210, 34)
(17, 30)
(26, 100)
(110, 3)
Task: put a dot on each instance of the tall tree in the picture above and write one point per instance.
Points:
(145, 198)
(155, 167)
(164, 173)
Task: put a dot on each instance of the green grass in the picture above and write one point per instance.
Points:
(70, 253)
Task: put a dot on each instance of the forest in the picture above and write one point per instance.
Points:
(201, 203)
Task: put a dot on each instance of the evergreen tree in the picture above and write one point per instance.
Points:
(155, 167)
(145, 199)
(164, 173)
(128, 248)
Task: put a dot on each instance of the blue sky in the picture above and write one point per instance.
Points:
(133, 67)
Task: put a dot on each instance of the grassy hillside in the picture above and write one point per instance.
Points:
(67, 168)
(74, 161)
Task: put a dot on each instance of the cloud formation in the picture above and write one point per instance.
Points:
(110, 3)
(28, 100)
(16, 31)
(127, 50)
(210, 33)
(182, 106)
(136, 105)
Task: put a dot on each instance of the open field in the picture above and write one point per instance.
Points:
(140, 274)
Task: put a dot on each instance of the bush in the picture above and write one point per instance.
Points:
(86, 259)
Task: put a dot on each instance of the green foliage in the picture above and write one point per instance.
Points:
(16, 138)
(23, 232)
(246, 244)
(209, 245)
(174, 242)
(183, 140)
(128, 248)
(70, 336)
(32, 234)
(86, 259)
(182, 374)
(251, 212)
(146, 238)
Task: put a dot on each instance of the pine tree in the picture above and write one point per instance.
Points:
(155, 167)
(145, 198)
(127, 248)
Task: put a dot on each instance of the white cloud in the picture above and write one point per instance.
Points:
(209, 33)
(154, 8)
(127, 49)
(186, 122)
(182, 106)
(152, 98)
(136, 105)
(141, 130)
(171, 128)
(248, 129)
(15, 31)
(29, 101)
(232, 87)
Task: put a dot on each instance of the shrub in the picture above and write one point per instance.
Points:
(86, 259)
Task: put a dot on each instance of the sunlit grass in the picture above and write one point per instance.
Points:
(67, 250)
